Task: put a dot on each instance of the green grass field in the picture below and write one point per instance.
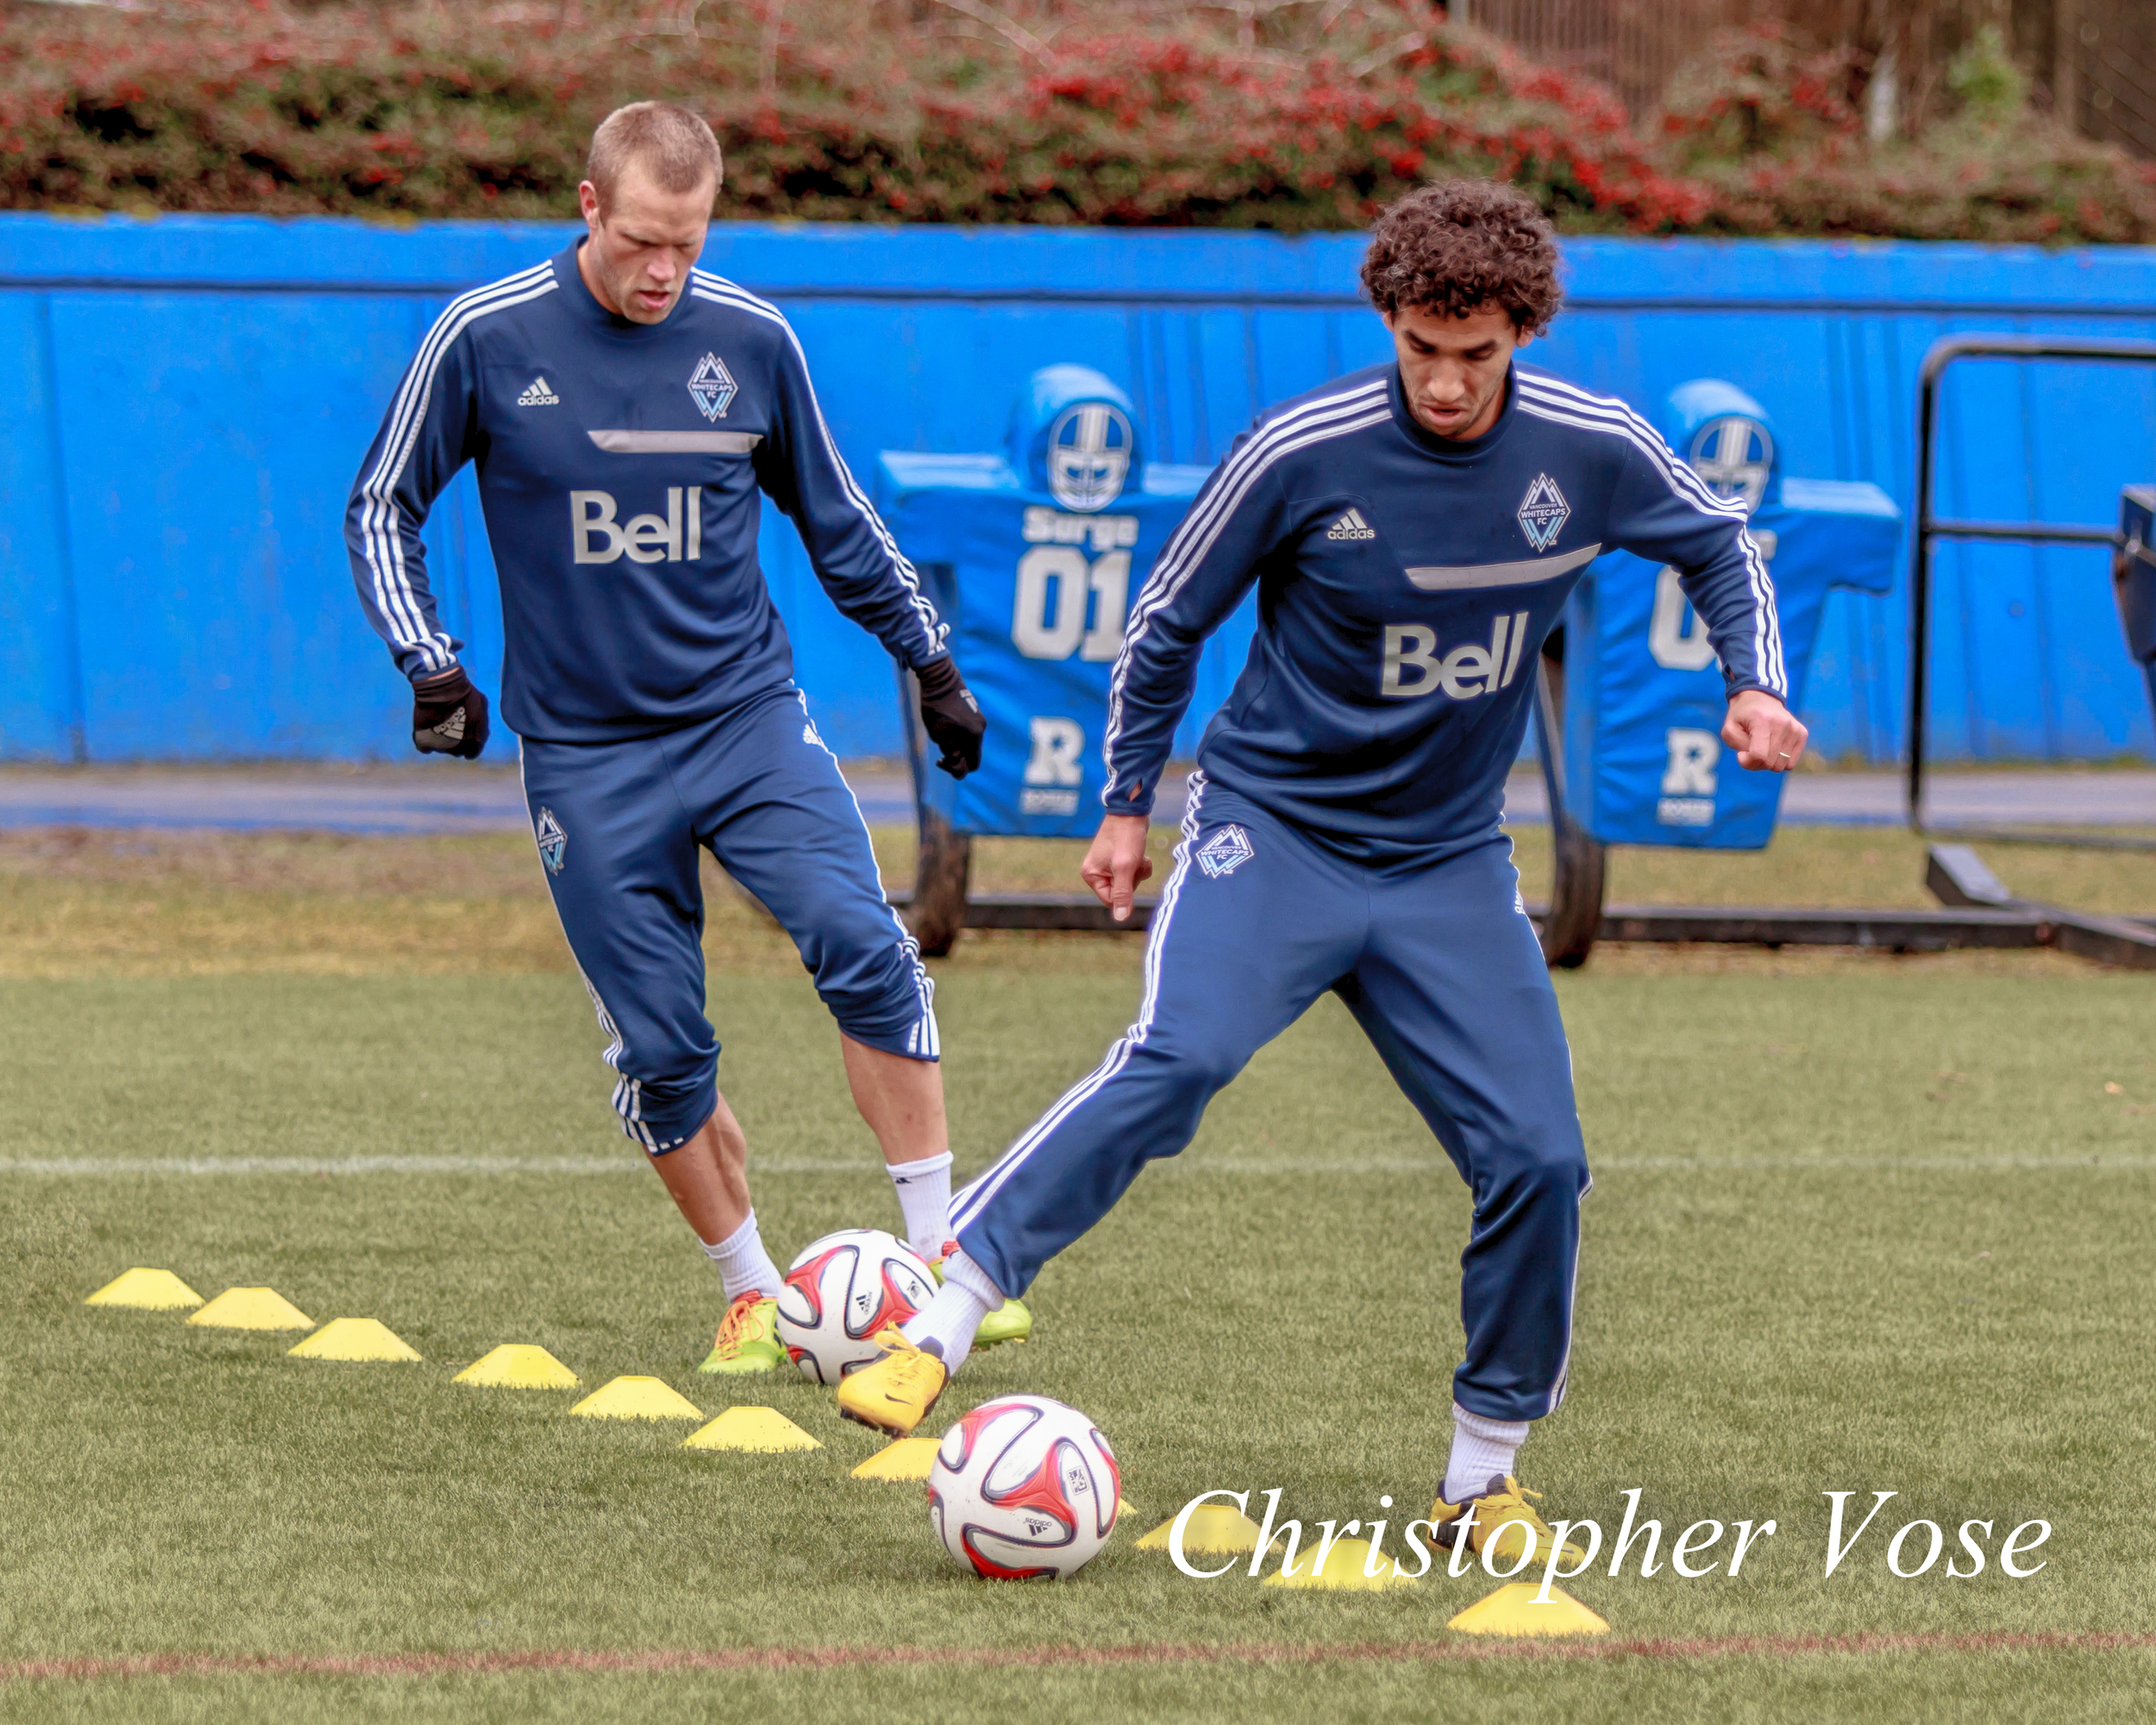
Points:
(1860, 1224)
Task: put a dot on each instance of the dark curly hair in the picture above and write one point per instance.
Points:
(1458, 245)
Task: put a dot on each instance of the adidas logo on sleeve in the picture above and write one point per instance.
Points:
(541, 394)
(1351, 526)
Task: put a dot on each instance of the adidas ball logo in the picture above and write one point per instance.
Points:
(1351, 526)
(541, 394)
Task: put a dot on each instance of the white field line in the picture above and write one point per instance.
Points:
(1640, 1164)
(377, 1164)
(231, 1165)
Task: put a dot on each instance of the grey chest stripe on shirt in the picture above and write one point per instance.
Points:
(1436, 578)
(677, 443)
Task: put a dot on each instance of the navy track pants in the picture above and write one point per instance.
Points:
(1439, 965)
(618, 826)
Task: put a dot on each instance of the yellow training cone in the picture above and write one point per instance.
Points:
(1514, 1610)
(518, 1365)
(905, 1461)
(146, 1290)
(1344, 1566)
(636, 1398)
(355, 1339)
(1214, 1527)
(763, 1431)
(252, 1308)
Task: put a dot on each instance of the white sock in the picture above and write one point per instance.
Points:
(1482, 1451)
(924, 1188)
(946, 1324)
(743, 1263)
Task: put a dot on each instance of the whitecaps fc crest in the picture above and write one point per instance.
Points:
(554, 843)
(1227, 851)
(1089, 456)
(711, 386)
(1543, 512)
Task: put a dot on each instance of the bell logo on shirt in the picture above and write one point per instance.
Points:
(1543, 512)
(600, 537)
(1412, 665)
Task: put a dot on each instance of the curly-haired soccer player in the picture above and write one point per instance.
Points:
(1413, 531)
(626, 411)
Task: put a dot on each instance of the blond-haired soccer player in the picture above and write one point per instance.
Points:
(626, 413)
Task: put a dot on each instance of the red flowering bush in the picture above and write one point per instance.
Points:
(826, 110)
(1757, 93)
(1113, 112)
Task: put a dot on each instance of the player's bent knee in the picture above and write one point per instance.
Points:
(1541, 1162)
(662, 1115)
(1197, 1069)
(1558, 1170)
(892, 1011)
(910, 1042)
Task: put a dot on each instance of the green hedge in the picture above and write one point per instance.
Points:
(844, 110)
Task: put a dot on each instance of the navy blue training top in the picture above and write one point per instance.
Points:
(1406, 583)
(619, 467)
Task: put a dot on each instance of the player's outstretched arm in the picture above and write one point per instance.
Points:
(1202, 574)
(853, 553)
(1116, 862)
(425, 437)
(1767, 737)
(405, 471)
(1663, 512)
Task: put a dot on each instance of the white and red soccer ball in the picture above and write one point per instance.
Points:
(839, 1294)
(1023, 1487)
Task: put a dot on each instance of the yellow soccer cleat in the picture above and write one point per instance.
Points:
(893, 1394)
(1009, 1322)
(747, 1338)
(1503, 1500)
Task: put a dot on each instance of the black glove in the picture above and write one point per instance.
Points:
(951, 716)
(448, 716)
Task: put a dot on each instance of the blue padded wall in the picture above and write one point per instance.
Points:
(183, 403)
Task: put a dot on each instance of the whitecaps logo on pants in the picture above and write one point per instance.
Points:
(553, 843)
(1227, 851)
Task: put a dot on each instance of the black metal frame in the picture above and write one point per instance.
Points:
(1929, 527)
(1578, 861)
(2112, 940)
(935, 910)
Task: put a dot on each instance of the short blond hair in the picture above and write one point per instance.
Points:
(672, 145)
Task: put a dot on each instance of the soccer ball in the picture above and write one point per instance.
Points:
(1023, 1487)
(841, 1292)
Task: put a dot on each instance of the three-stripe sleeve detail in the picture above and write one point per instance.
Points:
(1562, 404)
(380, 538)
(1332, 415)
(720, 291)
